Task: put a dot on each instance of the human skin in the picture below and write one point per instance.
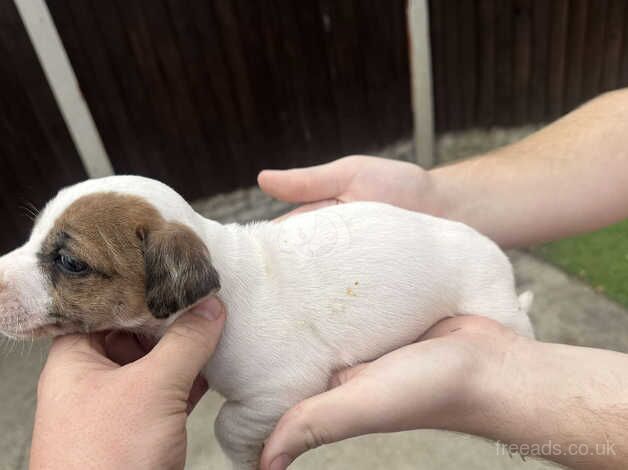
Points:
(103, 402)
(472, 375)
(568, 178)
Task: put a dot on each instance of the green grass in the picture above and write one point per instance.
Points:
(599, 258)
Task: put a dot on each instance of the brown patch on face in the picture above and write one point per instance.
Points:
(117, 242)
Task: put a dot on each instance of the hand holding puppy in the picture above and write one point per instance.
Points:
(434, 383)
(93, 412)
(472, 375)
(350, 179)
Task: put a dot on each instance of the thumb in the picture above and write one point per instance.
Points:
(341, 413)
(189, 342)
(314, 183)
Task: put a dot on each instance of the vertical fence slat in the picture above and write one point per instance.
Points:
(557, 45)
(467, 47)
(452, 66)
(594, 48)
(576, 36)
(341, 37)
(537, 92)
(613, 44)
(623, 65)
(504, 62)
(522, 58)
(485, 17)
(38, 156)
(440, 81)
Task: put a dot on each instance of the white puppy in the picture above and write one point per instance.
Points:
(304, 297)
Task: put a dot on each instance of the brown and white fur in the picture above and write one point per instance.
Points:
(304, 297)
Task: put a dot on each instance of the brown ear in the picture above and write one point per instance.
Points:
(177, 269)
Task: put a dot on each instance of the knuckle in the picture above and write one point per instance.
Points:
(189, 333)
(299, 420)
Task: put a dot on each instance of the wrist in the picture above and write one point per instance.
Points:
(446, 191)
(570, 400)
(482, 356)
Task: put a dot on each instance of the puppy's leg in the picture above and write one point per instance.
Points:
(241, 429)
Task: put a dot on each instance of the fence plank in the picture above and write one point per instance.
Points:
(452, 66)
(38, 156)
(537, 93)
(557, 45)
(522, 58)
(504, 62)
(439, 72)
(467, 46)
(594, 48)
(487, 49)
(612, 45)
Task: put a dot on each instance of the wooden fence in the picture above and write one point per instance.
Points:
(511, 62)
(37, 155)
(202, 94)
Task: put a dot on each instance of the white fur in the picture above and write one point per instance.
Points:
(24, 299)
(320, 291)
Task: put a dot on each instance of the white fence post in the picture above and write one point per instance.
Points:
(62, 80)
(421, 78)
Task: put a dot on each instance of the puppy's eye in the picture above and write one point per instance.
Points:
(71, 265)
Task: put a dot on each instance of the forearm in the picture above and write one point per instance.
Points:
(568, 178)
(564, 403)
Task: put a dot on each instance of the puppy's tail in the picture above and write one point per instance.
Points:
(522, 323)
(525, 301)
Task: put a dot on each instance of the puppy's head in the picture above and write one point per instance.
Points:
(114, 253)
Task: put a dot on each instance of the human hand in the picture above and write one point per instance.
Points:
(353, 178)
(434, 383)
(94, 413)
(472, 375)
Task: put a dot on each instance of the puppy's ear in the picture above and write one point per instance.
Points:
(177, 269)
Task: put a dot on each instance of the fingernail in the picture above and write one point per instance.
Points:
(210, 308)
(281, 462)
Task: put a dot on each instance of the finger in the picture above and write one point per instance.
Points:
(442, 328)
(123, 348)
(199, 387)
(307, 208)
(310, 184)
(189, 343)
(329, 417)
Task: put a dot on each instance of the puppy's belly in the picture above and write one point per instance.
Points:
(361, 326)
(294, 338)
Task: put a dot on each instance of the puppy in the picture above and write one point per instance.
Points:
(305, 297)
